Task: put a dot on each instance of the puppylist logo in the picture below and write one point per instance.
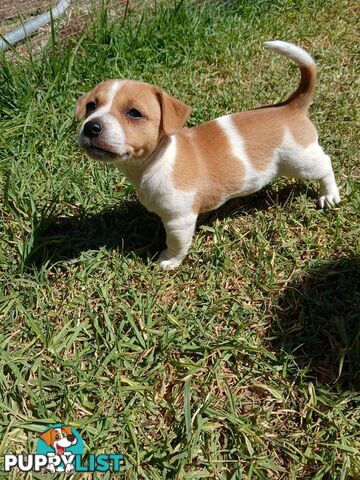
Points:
(59, 449)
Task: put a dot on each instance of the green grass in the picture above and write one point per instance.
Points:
(245, 362)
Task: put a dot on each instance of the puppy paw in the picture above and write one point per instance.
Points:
(329, 200)
(168, 262)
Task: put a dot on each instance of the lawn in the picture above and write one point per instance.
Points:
(244, 363)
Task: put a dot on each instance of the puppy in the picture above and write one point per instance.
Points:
(59, 439)
(182, 172)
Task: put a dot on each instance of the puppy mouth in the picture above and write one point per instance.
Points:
(101, 153)
(60, 450)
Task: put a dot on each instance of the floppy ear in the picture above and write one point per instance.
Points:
(48, 437)
(174, 113)
(80, 108)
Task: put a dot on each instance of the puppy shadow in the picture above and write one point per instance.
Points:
(274, 194)
(317, 322)
(130, 228)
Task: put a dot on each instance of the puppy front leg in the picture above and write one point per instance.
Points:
(179, 232)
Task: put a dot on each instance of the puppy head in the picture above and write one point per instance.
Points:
(125, 119)
(59, 438)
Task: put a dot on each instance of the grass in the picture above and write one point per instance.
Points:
(245, 362)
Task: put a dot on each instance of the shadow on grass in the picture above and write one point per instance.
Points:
(318, 322)
(262, 200)
(129, 227)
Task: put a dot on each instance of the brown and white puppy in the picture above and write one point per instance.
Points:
(59, 438)
(181, 172)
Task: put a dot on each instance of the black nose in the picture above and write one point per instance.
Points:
(92, 129)
(71, 438)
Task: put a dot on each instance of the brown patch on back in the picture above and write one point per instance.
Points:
(302, 129)
(186, 173)
(263, 131)
(204, 163)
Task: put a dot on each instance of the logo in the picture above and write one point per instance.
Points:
(59, 449)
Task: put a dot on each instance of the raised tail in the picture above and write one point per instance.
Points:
(302, 96)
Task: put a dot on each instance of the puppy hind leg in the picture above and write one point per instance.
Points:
(329, 192)
(316, 165)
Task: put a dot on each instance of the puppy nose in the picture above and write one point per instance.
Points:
(92, 129)
(71, 438)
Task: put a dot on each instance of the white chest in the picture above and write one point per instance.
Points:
(156, 188)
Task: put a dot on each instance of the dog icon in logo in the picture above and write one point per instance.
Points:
(58, 439)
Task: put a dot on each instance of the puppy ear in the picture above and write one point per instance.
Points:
(80, 108)
(174, 113)
(48, 437)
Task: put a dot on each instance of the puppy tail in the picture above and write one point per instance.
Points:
(302, 97)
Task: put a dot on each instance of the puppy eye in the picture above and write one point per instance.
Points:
(133, 113)
(90, 107)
